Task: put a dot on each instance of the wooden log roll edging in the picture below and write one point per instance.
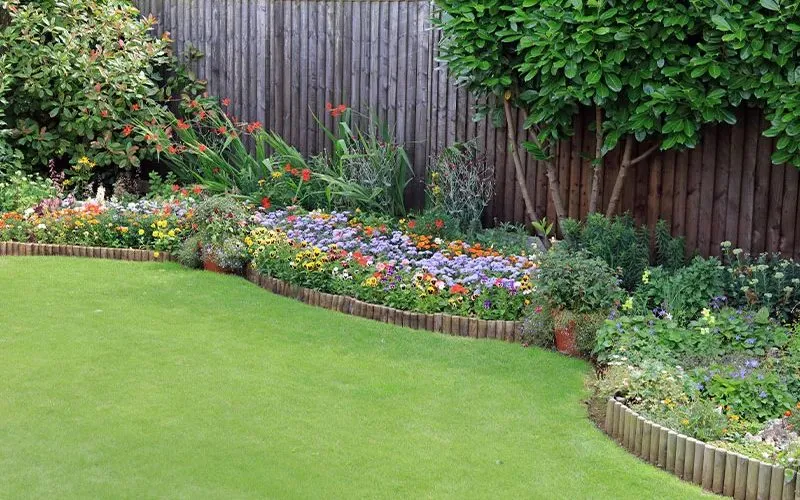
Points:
(15, 249)
(720, 471)
(509, 331)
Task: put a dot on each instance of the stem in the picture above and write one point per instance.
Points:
(512, 141)
(598, 158)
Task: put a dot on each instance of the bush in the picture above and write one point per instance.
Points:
(461, 184)
(681, 294)
(19, 192)
(577, 282)
(76, 75)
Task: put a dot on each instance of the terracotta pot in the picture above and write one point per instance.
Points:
(566, 339)
(210, 265)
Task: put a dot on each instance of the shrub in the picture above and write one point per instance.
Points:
(220, 218)
(577, 282)
(77, 74)
(18, 191)
(189, 253)
(461, 184)
(680, 294)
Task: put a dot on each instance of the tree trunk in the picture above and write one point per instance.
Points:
(598, 159)
(512, 141)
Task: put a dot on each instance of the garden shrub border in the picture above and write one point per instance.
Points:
(714, 469)
(461, 326)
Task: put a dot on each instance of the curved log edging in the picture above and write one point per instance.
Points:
(720, 471)
(510, 331)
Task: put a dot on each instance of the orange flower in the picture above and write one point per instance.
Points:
(136, 107)
(202, 148)
(182, 125)
(787, 413)
(266, 203)
(127, 130)
(306, 174)
(226, 102)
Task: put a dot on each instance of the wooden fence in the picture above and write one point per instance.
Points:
(279, 61)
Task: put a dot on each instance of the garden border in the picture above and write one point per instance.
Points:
(461, 326)
(714, 469)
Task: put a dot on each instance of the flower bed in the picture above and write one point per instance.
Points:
(712, 354)
(337, 253)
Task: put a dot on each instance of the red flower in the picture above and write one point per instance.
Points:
(412, 224)
(202, 114)
(439, 223)
(458, 289)
(252, 127)
(265, 203)
(136, 107)
(126, 130)
(98, 87)
(328, 106)
(226, 102)
(192, 103)
(182, 125)
(184, 192)
(222, 130)
(306, 175)
(287, 167)
(215, 170)
(202, 148)
(197, 190)
(538, 309)
(172, 149)
(175, 188)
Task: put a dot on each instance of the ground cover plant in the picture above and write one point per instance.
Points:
(711, 350)
(159, 381)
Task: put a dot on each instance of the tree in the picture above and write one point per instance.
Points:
(653, 72)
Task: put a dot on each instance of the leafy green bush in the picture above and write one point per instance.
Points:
(76, 74)
(617, 241)
(622, 245)
(461, 184)
(577, 282)
(19, 192)
(680, 294)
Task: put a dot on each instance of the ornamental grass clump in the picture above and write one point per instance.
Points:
(461, 184)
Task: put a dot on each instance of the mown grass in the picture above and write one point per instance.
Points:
(136, 380)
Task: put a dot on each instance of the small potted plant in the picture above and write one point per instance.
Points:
(222, 227)
(578, 289)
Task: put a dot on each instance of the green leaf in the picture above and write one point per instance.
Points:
(613, 82)
(770, 5)
(571, 69)
(721, 23)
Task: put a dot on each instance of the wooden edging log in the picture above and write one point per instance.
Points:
(717, 470)
(15, 249)
(509, 331)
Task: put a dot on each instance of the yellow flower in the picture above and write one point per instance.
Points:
(628, 304)
(141, 232)
(276, 175)
(436, 190)
(156, 254)
(171, 233)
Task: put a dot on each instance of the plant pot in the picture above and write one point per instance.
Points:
(565, 337)
(210, 265)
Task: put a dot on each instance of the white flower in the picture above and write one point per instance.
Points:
(28, 212)
(438, 241)
(41, 226)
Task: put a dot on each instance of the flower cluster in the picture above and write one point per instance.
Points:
(141, 224)
(338, 253)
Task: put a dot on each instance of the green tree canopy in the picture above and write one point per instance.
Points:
(653, 70)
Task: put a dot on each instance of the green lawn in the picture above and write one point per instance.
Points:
(122, 379)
